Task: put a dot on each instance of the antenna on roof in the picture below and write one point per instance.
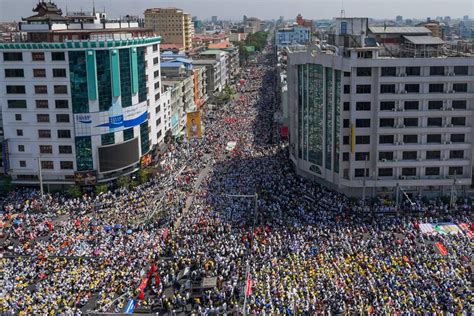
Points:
(93, 7)
(343, 12)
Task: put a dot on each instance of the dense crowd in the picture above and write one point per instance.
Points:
(298, 248)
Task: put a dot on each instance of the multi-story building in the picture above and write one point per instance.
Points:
(362, 117)
(222, 58)
(252, 25)
(174, 26)
(213, 75)
(292, 35)
(82, 96)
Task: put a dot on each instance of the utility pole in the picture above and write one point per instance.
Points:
(365, 180)
(40, 171)
(397, 193)
(452, 199)
(247, 272)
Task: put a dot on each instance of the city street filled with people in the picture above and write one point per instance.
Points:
(226, 231)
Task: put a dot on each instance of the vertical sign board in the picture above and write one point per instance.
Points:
(193, 124)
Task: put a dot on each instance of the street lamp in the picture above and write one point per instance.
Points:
(247, 272)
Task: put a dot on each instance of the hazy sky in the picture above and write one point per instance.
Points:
(266, 9)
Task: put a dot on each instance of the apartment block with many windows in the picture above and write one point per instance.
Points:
(362, 119)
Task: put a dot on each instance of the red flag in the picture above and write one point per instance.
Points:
(157, 279)
(249, 286)
(165, 234)
(142, 295)
(442, 248)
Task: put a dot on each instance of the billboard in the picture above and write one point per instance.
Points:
(118, 156)
(115, 119)
(145, 161)
(85, 178)
(193, 124)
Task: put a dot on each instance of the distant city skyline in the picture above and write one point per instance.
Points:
(13, 10)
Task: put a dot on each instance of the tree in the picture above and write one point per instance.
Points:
(143, 176)
(6, 186)
(123, 182)
(74, 191)
(101, 188)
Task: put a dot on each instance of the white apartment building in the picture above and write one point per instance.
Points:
(365, 121)
(79, 106)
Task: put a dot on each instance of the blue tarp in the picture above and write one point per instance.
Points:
(130, 307)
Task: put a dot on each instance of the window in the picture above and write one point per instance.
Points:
(37, 56)
(345, 156)
(156, 73)
(432, 171)
(412, 71)
(42, 118)
(363, 89)
(456, 154)
(157, 96)
(409, 155)
(157, 85)
(460, 87)
(363, 123)
(459, 104)
(435, 122)
(347, 74)
(128, 134)
(39, 73)
(437, 71)
(155, 47)
(364, 72)
(158, 121)
(21, 148)
(389, 71)
(19, 132)
(59, 72)
(412, 88)
(62, 118)
(47, 164)
(387, 88)
(107, 139)
(64, 149)
(411, 105)
(458, 121)
(55, 56)
(386, 139)
(386, 155)
(64, 133)
(409, 172)
(387, 106)
(387, 122)
(410, 122)
(12, 56)
(455, 171)
(42, 104)
(16, 90)
(61, 104)
(22, 164)
(158, 135)
(385, 172)
(66, 165)
(345, 140)
(44, 133)
(436, 88)
(14, 73)
(362, 156)
(157, 109)
(62, 89)
(347, 89)
(16, 104)
(156, 60)
(461, 70)
(359, 173)
(433, 139)
(435, 105)
(41, 89)
(433, 155)
(345, 123)
(46, 149)
(365, 139)
(410, 139)
(347, 106)
(17, 117)
(457, 138)
(363, 106)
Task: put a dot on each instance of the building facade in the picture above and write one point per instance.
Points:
(292, 35)
(174, 26)
(79, 107)
(365, 122)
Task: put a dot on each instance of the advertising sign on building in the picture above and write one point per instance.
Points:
(115, 119)
(85, 178)
(193, 124)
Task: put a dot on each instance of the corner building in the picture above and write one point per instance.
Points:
(365, 121)
(80, 106)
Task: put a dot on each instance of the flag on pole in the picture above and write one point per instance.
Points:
(249, 286)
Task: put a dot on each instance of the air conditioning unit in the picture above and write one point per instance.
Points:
(420, 159)
(401, 143)
(451, 91)
(451, 74)
(395, 159)
(384, 160)
(403, 177)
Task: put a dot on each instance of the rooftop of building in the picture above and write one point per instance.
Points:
(399, 30)
(424, 40)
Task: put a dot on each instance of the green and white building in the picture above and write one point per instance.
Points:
(81, 96)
